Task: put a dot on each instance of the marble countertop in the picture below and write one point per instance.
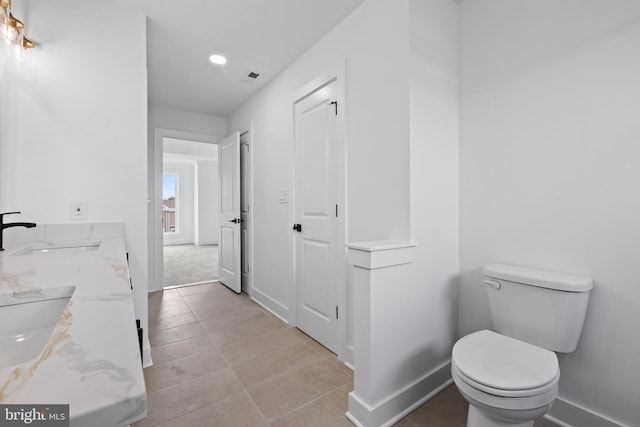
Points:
(91, 360)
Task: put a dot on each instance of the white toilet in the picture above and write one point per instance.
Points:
(510, 378)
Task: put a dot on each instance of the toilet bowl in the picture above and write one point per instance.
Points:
(510, 377)
(507, 382)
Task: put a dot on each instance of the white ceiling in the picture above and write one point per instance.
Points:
(182, 150)
(263, 36)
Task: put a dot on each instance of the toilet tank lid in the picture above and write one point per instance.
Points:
(542, 278)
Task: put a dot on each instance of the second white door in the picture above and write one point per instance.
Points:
(316, 211)
(229, 264)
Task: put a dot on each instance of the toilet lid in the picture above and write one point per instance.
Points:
(503, 363)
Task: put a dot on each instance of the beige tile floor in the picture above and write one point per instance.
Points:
(222, 360)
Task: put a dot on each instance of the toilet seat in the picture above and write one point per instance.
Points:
(505, 393)
(504, 367)
(482, 399)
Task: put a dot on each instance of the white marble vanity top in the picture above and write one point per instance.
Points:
(91, 360)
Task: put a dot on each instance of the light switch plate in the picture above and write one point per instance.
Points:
(78, 210)
(284, 196)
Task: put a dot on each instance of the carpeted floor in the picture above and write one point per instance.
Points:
(185, 264)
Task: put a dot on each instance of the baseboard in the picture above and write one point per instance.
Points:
(349, 355)
(569, 414)
(270, 305)
(206, 242)
(401, 403)
(176, 240)
(151, 287)
(266, 307)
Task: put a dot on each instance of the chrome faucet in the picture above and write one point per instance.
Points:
(12, 224)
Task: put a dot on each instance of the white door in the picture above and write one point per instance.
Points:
(316, 213)
(229, 245)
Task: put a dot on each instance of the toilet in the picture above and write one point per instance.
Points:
(510, 376)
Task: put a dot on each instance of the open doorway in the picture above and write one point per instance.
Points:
(156, 217)
(190, 212)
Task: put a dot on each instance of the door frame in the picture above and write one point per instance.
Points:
(155, 199)
(335, 72)
(249, 177)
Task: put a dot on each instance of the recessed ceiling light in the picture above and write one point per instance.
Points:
(218, 59)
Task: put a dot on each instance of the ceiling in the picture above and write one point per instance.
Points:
(261, 36)
(182, 150)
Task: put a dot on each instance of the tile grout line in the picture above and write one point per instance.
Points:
(253, 402)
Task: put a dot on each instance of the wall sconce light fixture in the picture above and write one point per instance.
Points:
(12, 33)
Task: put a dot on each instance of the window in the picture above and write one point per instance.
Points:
(169, 203)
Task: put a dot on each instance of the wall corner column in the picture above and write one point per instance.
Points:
(379, 270)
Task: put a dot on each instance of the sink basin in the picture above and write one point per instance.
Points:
(71, 248)
(27, 320)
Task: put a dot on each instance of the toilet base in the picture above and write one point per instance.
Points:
(477, 418)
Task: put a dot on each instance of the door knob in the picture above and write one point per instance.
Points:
(235, 220)
(297, 227)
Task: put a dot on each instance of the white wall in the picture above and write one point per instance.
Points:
(197, 162)
(411, 323)
(549, 172)
(377, 146)
(185, 206)
(76, 127)
(187, 121)
(434, 183)
(207, 203)
(198, 202)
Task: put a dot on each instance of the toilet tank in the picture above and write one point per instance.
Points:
(543, 308)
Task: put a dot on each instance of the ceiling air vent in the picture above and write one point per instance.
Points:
(253, 75)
